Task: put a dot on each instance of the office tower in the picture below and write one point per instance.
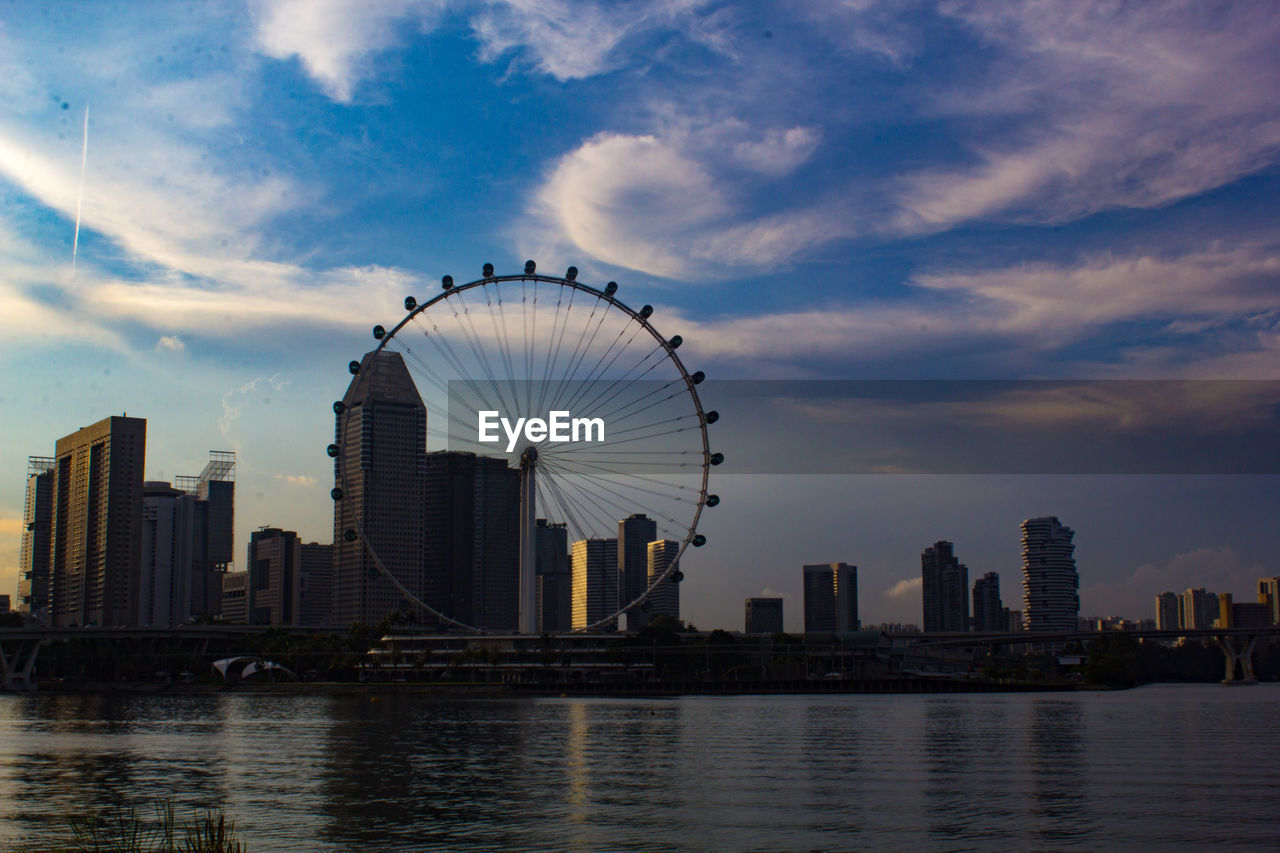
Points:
(555, 581)
(830, 597)
(594, 570)
(988, 611)
(635, 532)
(165, 570)
(1198, 608)
(471, 540)
(380, 467)
(1013, 620)
(97, 523)
(37, 537)
(235, 597)
(1250, 614)
(665, 599)
(1268, 594)
(213, 539)
(315, 583)
(944, 589)
(274, 566)
(763, 616)
(1050, 584)
(1167, 612)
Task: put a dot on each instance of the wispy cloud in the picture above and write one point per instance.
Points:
(297, 479)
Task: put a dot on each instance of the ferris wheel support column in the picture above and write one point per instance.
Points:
(528, 542)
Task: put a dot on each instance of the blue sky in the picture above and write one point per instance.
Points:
(803, 190)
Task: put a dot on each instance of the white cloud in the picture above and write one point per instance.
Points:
(333, 39)
(171, 344)
(907, 589)
(779, 152)
(654, 204)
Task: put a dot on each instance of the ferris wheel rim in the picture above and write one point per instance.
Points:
(690, 386)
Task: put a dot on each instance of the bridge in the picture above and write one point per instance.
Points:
(1237, 644)
(20, 647)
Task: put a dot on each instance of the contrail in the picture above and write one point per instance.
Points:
(84, 157)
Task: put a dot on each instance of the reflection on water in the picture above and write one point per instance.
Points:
(1159, 767)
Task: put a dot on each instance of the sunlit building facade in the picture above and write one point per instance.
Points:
(1050, 583)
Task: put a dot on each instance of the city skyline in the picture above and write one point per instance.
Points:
(923, 192)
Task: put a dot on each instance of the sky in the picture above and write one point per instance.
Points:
(826, 190)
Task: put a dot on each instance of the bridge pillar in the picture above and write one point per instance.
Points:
(15, 669)
(1242, 658)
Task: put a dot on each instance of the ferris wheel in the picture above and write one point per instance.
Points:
(576, 391)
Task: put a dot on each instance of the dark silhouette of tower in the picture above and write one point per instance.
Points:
(988, 611)
(944, 589)
(382, 462)
(635, 532)
(472, 538)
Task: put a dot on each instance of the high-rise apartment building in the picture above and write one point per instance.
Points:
(944, 589)
(594, 569)
(1269, 594)
(1050, 583)
(1167, 612)
(382, 435)
(635, 532)
(471, 539)
(830, 597)
(37, 538)
(555, 581)
(1197, 608)
(165, 571)
(665, 599)
(763, 616)
(988, 611)
(96, 523)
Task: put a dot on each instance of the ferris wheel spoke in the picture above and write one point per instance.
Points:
(580, 470)
(613, 415)
(447, 352)
(600, 365)
(549, 363)
(580, 464)
(572, 373)
(600, 493)
(591, 511)
(619, 383)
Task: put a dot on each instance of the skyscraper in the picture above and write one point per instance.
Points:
(37, 537)
(97, 523)
(594, 567)
(213, 536)
(165, 561)
(665, 598)
(274, 563)
(830, 597)
(555, 582)
(988, 611)
(380, 468)
(315, 583)
(635, 532)
(1167, 612)
(944, 589)
(763, 616)
(471, 540)
(1050, 584)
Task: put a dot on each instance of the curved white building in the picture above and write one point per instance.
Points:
(1050, 583)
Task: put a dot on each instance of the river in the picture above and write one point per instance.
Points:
(1164, 767)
